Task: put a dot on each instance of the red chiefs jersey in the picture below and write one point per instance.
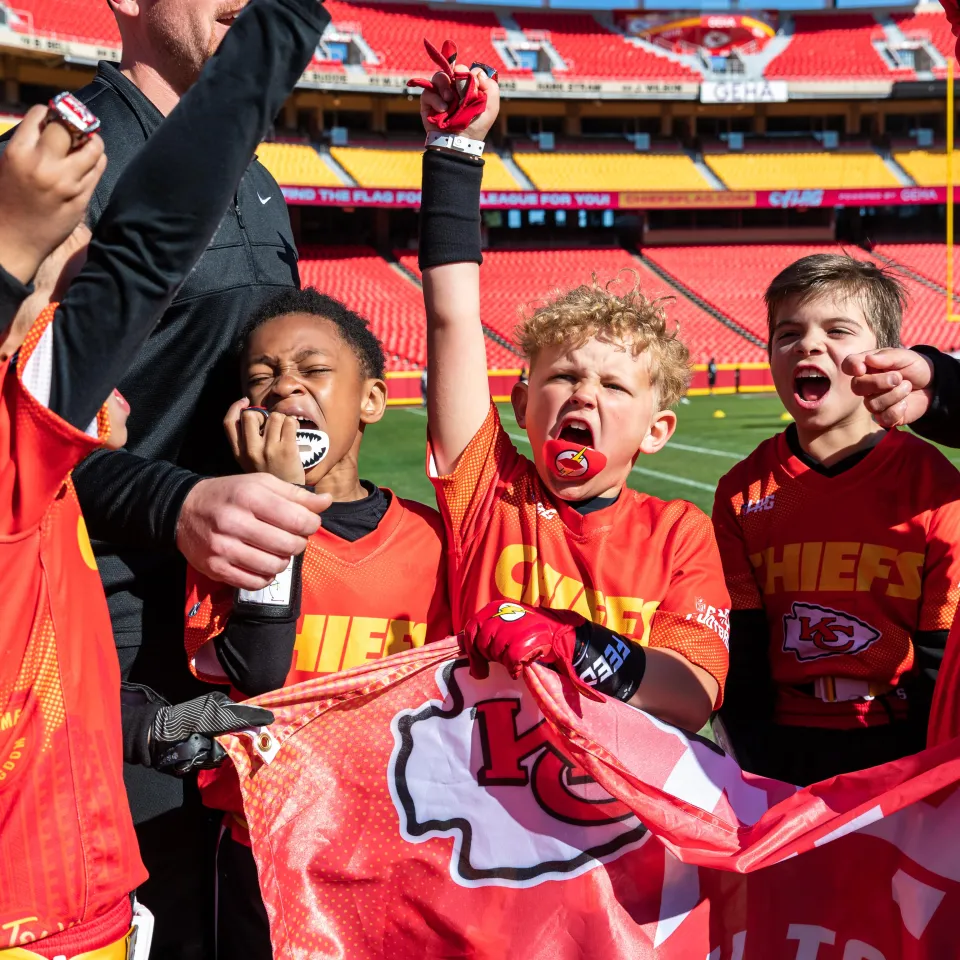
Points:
(360, 601)
(68, 852)
(646, 568)
(847, 568)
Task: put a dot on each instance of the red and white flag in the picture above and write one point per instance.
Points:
(406, 810)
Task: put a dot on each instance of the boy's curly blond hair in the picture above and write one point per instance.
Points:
(629, 319)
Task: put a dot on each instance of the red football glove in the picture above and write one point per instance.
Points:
(471, 102)
(514, 634)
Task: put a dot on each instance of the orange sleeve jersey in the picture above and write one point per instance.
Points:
(646, 568)
(847, 568)
(68, 852)
(361, 601)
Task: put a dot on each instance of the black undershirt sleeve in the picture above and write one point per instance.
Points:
(928, 647)
(164, 210)
(749, 694)
(941, 423)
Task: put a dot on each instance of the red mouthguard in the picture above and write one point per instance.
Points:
(570, 461)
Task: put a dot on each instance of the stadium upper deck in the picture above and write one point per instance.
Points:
(551, 53)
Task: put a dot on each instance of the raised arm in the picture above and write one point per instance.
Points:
(458, 395)
(168, 203)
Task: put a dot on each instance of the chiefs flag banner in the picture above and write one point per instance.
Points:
(406, 810)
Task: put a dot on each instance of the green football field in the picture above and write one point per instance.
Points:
(704, 447)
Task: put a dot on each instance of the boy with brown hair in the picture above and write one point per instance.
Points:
(840, 544)
(556, 559)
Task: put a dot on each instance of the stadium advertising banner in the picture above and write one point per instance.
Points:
(639, 200)
(744, 91)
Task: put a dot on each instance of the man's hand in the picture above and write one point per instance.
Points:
(45, 187)
(264, 443)
(895, 384)
(443, 95)
(244, 530)
(516, 635)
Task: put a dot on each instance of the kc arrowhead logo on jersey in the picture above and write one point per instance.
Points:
(813, 632)
(481, 767)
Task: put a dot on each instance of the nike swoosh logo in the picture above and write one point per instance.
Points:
(262, 200)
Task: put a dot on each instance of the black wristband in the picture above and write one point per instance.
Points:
(278, 601)
(450, 210)
(608, 662)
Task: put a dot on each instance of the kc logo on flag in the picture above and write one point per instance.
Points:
(520, 811)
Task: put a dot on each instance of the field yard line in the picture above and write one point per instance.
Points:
(673, 445)
(656, 474)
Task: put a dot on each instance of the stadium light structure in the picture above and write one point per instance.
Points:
(951, 316)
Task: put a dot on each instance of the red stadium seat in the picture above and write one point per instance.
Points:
(833, 47)
(928, 26)
(88, 21)
(511, 279)
(590, 50)
(366, 283)
(733, 279)
(396, 32)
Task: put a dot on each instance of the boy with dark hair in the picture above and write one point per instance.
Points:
(840, 544)
(67, 848)
(371, 580)
(557, 559)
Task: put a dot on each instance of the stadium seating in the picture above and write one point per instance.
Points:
(927, 167)
(827, 47)
(365, 282)
(400, 168)
(395, 32)
(85, 20)
(591, 51)
(611, 171)
(803, 170)
(928, 26)
(733, 279)
(511, 279)
(295, 165)
(929, 260)
(8, 123)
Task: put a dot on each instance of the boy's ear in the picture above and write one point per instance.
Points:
(374, 403)
(518, 397)
(661, 430)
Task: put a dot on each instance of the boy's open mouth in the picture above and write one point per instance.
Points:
(810, 386)
(307, 424)
(577, 431)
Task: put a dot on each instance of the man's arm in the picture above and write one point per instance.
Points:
(169, 201)
(458, 394)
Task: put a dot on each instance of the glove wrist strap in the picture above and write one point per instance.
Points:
(609, 663)
(455, 142)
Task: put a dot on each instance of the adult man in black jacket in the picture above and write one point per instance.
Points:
(149, 506)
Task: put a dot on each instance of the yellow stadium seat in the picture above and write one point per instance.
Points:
(402, 169)
(611, 171)
(927, 167)
(294, 165)
(800, 171)
(7, 123)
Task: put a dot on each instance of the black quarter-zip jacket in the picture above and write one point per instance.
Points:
(179, 388)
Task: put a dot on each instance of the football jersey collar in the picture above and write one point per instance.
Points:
(798, 463)
(360, 550)
(584, 524)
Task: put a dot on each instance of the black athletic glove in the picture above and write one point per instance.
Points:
(178, 739)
